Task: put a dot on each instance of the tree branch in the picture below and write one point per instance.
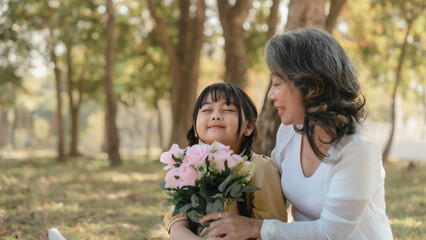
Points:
(335, 9)
(163, 36)
(273, 19)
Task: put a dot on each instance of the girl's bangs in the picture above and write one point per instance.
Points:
(221, 91)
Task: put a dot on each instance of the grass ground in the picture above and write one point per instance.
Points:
(85, 199)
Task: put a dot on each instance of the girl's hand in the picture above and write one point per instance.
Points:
(231, 226)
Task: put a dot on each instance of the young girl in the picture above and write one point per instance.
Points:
(224, 113)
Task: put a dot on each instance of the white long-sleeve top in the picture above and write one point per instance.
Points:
(343, 199)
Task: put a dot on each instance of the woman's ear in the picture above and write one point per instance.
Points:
(249, 129)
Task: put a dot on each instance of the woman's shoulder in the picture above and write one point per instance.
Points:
(357, 144)
(354, 150)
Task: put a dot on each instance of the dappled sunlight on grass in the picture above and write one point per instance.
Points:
(86, 199)
(406, 200)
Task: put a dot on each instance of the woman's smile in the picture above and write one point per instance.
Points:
(280, 110)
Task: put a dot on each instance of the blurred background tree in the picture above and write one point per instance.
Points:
(54, 62)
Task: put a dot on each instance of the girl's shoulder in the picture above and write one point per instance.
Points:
(263, 163)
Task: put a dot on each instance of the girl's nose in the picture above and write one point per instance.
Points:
(216, 116)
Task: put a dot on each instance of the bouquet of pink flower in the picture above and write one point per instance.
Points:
(203, 178)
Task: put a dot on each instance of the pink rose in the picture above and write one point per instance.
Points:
(220, 157)
(220, 146)
(166, 157)
(235, 158)
(171, 180)
(196, 154)
(188, 174)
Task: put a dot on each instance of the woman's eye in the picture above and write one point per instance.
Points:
(275, 84)
(206, 110)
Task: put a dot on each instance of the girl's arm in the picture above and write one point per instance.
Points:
(177, 226)
(269, 202)
(180, 231)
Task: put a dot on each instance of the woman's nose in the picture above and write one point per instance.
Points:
(271, 95)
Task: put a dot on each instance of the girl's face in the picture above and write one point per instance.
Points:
(288, 100)
(217, 121)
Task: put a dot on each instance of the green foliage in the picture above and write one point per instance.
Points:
(379, 45)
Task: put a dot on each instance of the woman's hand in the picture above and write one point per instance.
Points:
(230, 226)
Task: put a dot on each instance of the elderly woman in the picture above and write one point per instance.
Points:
(333, 178)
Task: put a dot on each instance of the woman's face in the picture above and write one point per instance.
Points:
(287, 100)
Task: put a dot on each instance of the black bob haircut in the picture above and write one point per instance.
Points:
(233, 95)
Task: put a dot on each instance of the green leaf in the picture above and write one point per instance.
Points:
(195, 201)
(236, 191)
(209, 208)
(185, 208)
(216, 206)
(178, 206)
(230, 188)
(162, 185)
(224, 183)
(194, 216)
(217, 195)
(250, 188)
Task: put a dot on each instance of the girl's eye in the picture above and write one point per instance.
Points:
(206, 110)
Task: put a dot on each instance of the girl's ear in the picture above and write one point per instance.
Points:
(249, 129)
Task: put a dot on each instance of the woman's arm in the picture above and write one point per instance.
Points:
(353, 182)
(354, 179)
(232, 226)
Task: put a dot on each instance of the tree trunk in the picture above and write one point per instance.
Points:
(4, 128)
(424, 103)
(301, 13)
(269, 121)
(160, 125)
(74, 112)
(105, 142)
(232, 19)
(111, 105)
(273, 18)
(60, 120)
(395, 89)
(184, 61)
(335, 9)
(304, 13)
(148, 135)
(52, 126)
(74, 108)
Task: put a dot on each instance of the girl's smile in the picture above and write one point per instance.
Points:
(218, 121)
